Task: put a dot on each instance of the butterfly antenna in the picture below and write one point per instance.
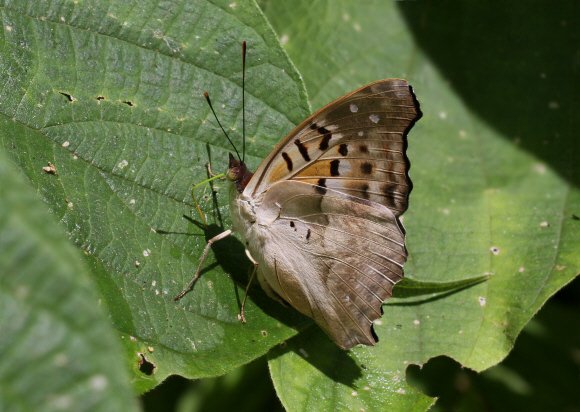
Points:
(243, 100)
(206, 95)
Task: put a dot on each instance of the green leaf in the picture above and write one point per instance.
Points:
(111, 92)
(547, 342)
(58, 348)
(494, 172)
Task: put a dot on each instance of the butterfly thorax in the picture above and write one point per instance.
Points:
(242, 207)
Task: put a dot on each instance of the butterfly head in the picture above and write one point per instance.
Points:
(238, 173)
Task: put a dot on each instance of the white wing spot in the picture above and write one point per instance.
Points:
(374, 118)
(353, 108)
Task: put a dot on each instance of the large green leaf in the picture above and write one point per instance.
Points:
(494, 167)
(111, 92)
(59, 351)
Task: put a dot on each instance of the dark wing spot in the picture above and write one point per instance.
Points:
(343, 149)
(313, 126)
(334, 167)
(308, 234)
(302, 149)
(326, 136)
(390, 191)
(363, 148)
(289, 165)
(321, 186)
(366, 168)
(365, 191)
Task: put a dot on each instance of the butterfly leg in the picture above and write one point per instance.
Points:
(210, 172)
(197, 274)
(242, 314)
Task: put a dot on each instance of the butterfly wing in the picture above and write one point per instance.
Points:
(326, 201)
(355, 145)
(332, 256)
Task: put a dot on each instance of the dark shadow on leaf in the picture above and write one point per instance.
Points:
(316, 348)
(411, 292)
(516, 67)
(540, 373)
(229, 254)
(415, 302)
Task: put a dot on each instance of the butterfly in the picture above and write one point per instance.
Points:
(320, 217)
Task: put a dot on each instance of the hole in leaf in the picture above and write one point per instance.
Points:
(99, 98)
(68, 96)
(145, 366)
(129, 103)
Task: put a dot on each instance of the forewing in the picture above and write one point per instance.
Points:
(332, 256)
(355, 145)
